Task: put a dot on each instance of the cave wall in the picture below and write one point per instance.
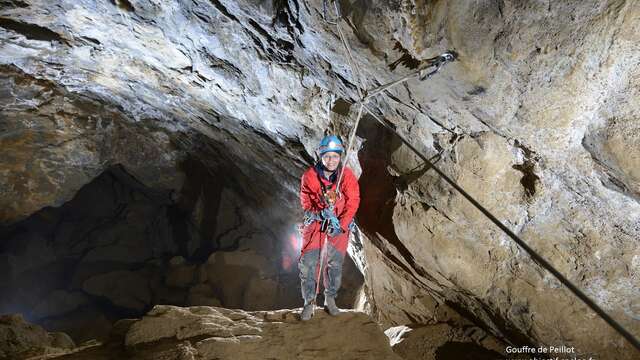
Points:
(118, 247)
(529, 155)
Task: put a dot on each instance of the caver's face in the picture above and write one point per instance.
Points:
(331, 160)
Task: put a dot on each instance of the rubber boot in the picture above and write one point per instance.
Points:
(307, 312)
(330, 306)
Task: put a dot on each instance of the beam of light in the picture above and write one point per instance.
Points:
(291, 248)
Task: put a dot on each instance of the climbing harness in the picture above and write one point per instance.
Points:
(310, 217)
(437, 63)
(329, 196)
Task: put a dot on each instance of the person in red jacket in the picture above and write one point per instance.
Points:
(328, 218)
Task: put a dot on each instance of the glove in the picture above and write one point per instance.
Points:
(310, 217)
(335, 230)
(334, 223)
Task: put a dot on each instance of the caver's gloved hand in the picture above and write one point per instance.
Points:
(335, 229)
(311, 216)
(334, 223)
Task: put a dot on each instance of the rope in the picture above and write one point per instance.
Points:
(538, 258)
(321, 262)
(351, 139)
(343, 39)
(439, 62)
(364, 96)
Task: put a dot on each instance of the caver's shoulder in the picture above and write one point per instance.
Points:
(310, 173)
(348, 173)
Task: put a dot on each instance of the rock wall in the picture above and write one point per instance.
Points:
(21, 340)
(534, 143)
(118, 248)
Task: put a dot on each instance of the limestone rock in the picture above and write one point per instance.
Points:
(120, 328)
(202, 295)
(65, 139)
(260, 294)
(126, 289)
(219, 333)
(443, 341)
(352, 281)
(180, 276)
(20, 339)
(245, 265)
(61, 340)
(90, 322)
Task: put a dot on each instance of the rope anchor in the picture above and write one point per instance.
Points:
(439, 62)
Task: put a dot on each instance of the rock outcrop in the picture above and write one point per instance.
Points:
(20, 339)
(201, 332)
(444, 341)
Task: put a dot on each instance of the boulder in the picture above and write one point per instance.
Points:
(219, 333)
(202, 295)
(126, 289)
(444, 341)
(20, 339)
(260, 294)
(245, 265)
(180, 276)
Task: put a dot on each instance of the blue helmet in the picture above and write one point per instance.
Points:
(330, 143)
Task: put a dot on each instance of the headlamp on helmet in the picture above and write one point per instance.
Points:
(330, 143)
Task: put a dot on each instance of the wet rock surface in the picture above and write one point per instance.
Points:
(537, 120)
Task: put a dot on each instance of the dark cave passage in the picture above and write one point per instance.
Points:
(119, 247)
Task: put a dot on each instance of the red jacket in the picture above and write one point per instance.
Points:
(345, 207)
